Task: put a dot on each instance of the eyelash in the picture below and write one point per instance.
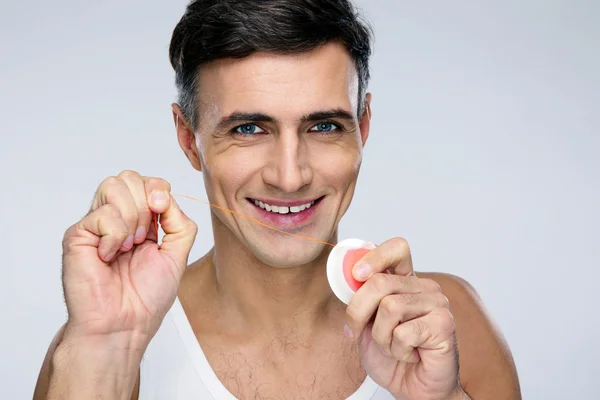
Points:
(337, 127)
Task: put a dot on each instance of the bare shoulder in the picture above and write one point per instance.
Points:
(487, 368)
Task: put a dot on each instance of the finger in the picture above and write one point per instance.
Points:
(399, 308)
(108, 226)
(366, 300)
(137, 188)
(157, 206)
(393, 255)
(433, 331)
(114, 190)
(153, 230)
(162, 189)
(180, 231)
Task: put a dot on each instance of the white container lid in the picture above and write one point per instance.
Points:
(339, 267)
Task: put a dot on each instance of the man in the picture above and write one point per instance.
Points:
(273, 111)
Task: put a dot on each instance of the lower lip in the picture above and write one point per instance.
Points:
(290, 219)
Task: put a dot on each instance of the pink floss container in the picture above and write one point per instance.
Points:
(339, 267)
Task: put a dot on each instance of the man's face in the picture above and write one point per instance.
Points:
(278, 140)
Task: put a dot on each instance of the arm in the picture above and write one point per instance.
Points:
(118, 284)
(78, 371)
(43, 381)
(487, 368)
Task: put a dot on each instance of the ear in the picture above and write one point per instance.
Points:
(365, 120)
(186, 137)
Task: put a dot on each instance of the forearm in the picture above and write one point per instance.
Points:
(92, 371)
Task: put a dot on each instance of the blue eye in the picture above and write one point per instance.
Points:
(324, 127)
(248, 129)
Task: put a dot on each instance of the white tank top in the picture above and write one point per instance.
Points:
(174, 367)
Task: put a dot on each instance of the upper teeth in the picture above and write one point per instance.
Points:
(283, 209)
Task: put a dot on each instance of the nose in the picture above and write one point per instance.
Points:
(288, 168)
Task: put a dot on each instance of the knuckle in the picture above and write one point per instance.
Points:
(379, 282)
(446, 319)
(398, 335)
(129, 174)
(109, 182)
(433, 285)
(389, 304)
(442, 300)
(109, 188)
(400, 242)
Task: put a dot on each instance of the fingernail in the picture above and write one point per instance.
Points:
(140, 234)
(110, 256)
(128, 243)
(158, 197)
(363, 271)
(348, 332)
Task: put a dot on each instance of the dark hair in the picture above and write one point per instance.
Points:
(214, 29)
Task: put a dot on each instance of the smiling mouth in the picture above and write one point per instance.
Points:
(295, 209)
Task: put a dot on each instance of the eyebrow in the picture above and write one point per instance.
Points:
(239, 117)
(337, 113)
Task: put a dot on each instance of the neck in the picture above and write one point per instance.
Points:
(253, 295)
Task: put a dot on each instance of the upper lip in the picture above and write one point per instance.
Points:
(283, 203)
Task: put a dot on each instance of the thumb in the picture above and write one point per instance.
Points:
(180, 231)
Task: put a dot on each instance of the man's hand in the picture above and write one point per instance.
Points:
(118, 283)
(404, 328)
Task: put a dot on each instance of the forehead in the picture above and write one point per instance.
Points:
(285, 86)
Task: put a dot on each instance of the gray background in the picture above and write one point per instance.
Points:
(483, 154)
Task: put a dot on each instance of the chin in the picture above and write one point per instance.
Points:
(286, 255)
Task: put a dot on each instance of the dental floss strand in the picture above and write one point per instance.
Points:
(341, 259)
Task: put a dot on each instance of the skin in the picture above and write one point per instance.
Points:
(258, 301)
